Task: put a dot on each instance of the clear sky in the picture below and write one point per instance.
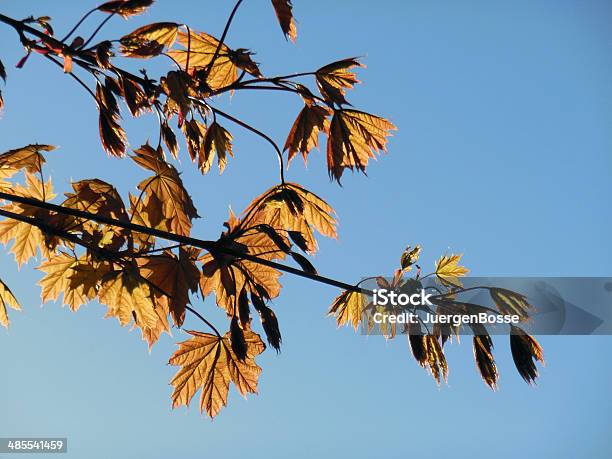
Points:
(503, 152)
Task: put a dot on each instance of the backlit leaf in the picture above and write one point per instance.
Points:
(283, 9)
(7, 300)
(149, 40)
(166, 185)
(202, 48)
(304, 134)
(348, 308)
(449, 270)
(333, 79)
(525, 352)
(208, 364)
(354, 138)
(217, 141)
(28, 158)
(175, 276)
(125, 8)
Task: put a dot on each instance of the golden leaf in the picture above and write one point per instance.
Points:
(201, 48)
(27, 238)
(171, 198)
(354, 138)
(128, 298)
(75, 278)
(149, 40)
(509, 302)
(333, 79)
(175, 276)
(283, 9)
(7, 299)
(436, 361)
(304, 134)
(348, 307)
(409, 257)
(217, 141)
(449, 270)
(28, 158)
(209, 364)
(290, 207)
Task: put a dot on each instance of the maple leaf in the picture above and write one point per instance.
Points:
(200, 49)
(112, 135)
(354, 138)
(149, 216)
(178, 86)
(227, 277)
(409, 257)
(290, 207)
(27, 238)
(483, 347)
(149, 40)
(75, 278)
(304, 134)
(171, 200)
(509, 302)
(208, 364)
(7, 299)
(104, 52)
(125, 8)
(134, 96)
(28, 158)
(128, 297)
(283, 9)
(175, 276)
(525, 351)
(448, 270)
(333, 79)
(216, 141)
(348, 307)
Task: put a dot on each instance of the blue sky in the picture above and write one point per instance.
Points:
(503, 153)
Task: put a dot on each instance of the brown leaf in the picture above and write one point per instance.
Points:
(201, 49)
(209, 364)
(149, 40)
(134, 96)
(125, 8)
(291, 207)
(128, 297)
(75, 278)
(28, 158)
(348, 307)
(525, 352)
(7, 299)
(483, 347)
(269, 322)
(2, 71)
(175, 276)
(354, 138)
(283, 9)
(217, 141)
(333, 79)
(304, 134)
(169, 139)
(167, 187)
(112, 134)
(104, 53)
